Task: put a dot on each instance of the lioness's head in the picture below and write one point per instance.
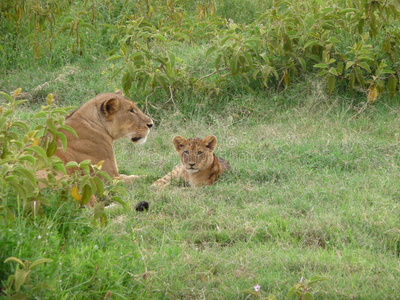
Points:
(123, 119)
(196, 154)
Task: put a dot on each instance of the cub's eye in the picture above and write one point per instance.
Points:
(186, 152)
(132, 111)
(200, 152)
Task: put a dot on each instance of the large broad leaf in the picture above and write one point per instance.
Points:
(15, 260)
(20, 278)
(331, 83)
(27, 174)
(86, 193)
(392, 84)
(39, 262)
(38, 150)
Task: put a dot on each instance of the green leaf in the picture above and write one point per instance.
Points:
(311, 44)
(71, 164)
(331, 83)
(114, 57)
(352, 80)
(38, 150)
(20, 278)
(249, 60)
(29, 158)
(210, 50)
(291, 292)
(86, 194)
(217, 61)
(127, 83)
(52, 148)
(160, 37)
(69, 129)
(333, 71)
(40, 114)
(248, 291)
(315, 279)
(63, 139)
(89, 26)
(307, 296)
(322, 66)
(302, 63)
(39, 262)
(234, 65)
(15, 260)
(130, 66)
(8, 97)
(105, 175)
(59, 166)
(51, 126)
(12, 180)
(120, 201)
(365, 66)
(26, 173)
(99, 186)
(392, 84)
(172, 59)
(21, 125)
(3, 120)
(7, 160)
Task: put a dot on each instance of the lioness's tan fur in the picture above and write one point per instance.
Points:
(98, 123)
(199, 165)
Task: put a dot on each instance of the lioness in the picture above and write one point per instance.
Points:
(98, 123)
(199, 165)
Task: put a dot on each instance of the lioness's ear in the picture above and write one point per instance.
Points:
(210, 142)
(179, 142)
(109, 107)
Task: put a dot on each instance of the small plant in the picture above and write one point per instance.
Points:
(302, 290)
(20, 280)
(28, 169)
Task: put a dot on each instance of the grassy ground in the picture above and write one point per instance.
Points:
(313, 190)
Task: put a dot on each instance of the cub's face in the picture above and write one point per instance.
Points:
(195, 154)
(124, 119)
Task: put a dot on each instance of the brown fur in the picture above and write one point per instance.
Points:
(199, 165)
(98, 123)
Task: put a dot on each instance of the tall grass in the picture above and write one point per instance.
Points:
(313, 190)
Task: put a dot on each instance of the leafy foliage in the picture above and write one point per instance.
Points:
(351, 44)
(28, 168)
(21, 278)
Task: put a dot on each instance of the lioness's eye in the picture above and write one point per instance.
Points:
(132, 111)
(200, 152)
(186, 152)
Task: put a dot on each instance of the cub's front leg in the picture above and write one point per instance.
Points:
(165, 181)
(128, 178)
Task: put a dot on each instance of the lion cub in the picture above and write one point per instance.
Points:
(199, 165)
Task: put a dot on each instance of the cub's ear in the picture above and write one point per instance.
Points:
(119, 92)
(179, 142)
(210, 142)
(109, 107)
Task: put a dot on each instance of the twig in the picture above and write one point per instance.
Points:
(146, 103)
(211, 74)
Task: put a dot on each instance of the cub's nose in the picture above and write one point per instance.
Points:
(191, 165)
(150, 125)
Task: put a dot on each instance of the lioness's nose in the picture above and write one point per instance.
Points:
(191, 165)
(150, 125)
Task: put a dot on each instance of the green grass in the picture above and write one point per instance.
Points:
(313, 190)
